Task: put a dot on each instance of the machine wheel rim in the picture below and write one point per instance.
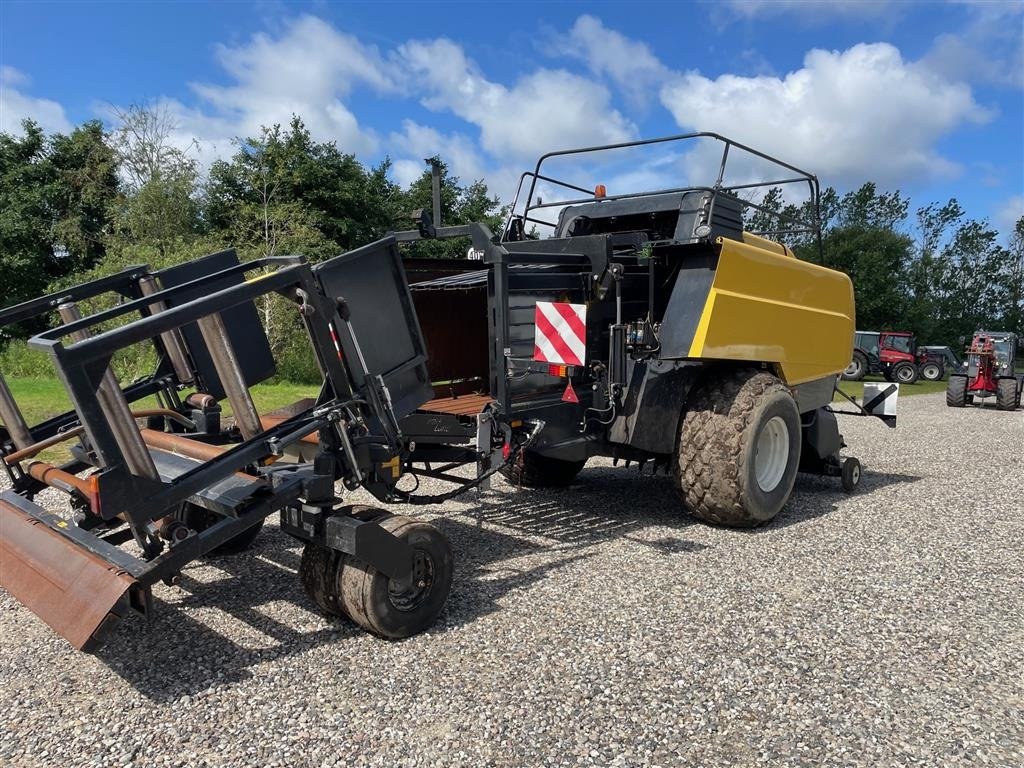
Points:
(930, 372)
(771, 456)
(853, 368)
(855, 474)
(904, 374)
(409, 598)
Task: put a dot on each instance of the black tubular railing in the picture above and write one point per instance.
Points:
(789, 224)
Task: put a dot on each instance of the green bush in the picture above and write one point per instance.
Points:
(20, 361)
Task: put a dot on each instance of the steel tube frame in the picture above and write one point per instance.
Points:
(14, 421)
(120, 419)
(225, 361)
(804, 177)
(173, 343)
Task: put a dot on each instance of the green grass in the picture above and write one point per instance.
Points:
(922, 387)
(42, 398)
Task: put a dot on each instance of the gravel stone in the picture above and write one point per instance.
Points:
(594, 626)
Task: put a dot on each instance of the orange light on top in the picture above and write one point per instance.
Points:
(600, 191)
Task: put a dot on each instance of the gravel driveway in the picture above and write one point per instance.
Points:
(595, 626)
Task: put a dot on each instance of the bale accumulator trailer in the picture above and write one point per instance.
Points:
(650, 328)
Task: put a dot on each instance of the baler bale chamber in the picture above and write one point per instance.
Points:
(152, 486)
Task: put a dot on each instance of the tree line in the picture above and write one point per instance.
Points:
(935, 271)
(79, 205)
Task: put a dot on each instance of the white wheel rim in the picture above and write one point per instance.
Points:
(855, 474)
(904, 374)
(852, 368)
(931, 372)
(771, 454)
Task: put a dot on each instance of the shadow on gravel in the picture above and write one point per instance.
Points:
(815, 496)
(177, 654)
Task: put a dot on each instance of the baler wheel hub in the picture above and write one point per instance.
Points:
(772, 454)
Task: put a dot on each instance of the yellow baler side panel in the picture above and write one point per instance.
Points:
(766, 307)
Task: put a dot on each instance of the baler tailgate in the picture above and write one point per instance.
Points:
(80, 595)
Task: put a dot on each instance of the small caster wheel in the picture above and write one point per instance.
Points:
(851, 474)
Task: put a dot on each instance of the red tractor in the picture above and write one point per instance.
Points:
(892, 354)
(989, 371)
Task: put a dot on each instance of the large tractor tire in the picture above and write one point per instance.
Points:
(956, 391)
(1006, 395)
(857, 368)
(535, 471)
(904, 373)
(739, 449)
(931, 371)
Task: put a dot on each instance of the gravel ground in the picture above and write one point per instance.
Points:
(595, 626)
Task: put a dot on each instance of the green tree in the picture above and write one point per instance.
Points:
(284, 192)
(159, 207)
(55, 198)
(459, 205)
(1013, 316)
(875, 259)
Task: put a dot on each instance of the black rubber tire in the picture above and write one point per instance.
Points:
(1006, 394)
(532, 470)
(851, 474)
(318, 568)
(904, 373)
(366, 596)
(858, 367)
(199, 519)
(956, 391)
(715, 460)
(931, 371)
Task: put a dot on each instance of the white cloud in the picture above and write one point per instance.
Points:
(989, 48)
(548, 109)
(861, 113)
(1009, 213)
(416, 142)
(16, 105)
(627, 63)
(307, 71)
(813, 11)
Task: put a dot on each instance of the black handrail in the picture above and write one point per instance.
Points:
(802, 177)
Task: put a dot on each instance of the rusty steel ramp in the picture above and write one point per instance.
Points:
(81, 595)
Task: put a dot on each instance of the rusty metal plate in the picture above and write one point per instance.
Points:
(80, 595)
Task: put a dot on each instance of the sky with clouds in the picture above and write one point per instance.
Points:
(926, 97)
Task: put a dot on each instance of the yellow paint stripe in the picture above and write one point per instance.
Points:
(699, 336)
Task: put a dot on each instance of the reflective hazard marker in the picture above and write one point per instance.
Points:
(561, 333)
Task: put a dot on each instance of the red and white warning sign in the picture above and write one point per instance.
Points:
(561, 333)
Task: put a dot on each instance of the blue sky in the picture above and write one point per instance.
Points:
(926, 97)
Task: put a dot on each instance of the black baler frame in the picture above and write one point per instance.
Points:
(796, 226)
